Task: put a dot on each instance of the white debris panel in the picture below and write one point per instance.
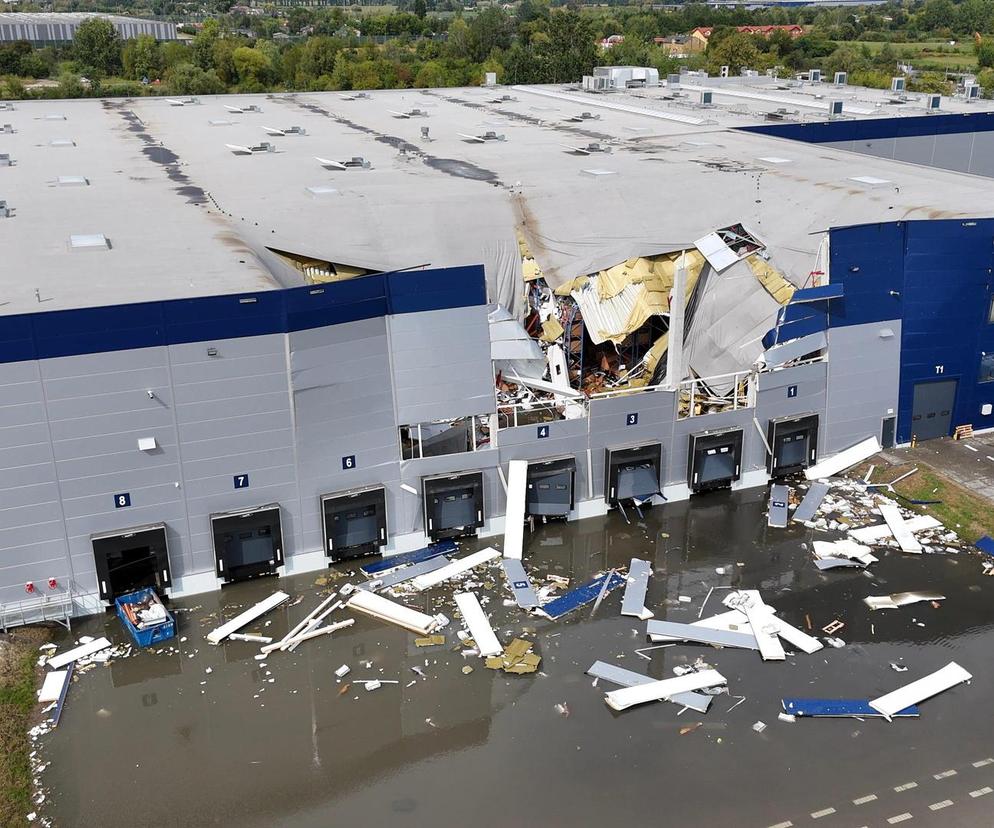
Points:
(384, 609)
(838, 463)
(478, 623)
(931, 685)
(665, 689)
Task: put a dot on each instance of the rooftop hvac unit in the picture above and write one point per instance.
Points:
(971, 91)
(7, 128)
(932, 103)
(672, 80)
(596, 83)
(835, 108)
(5, 160)
(707, 98)
(490, 79)
(724, 71)
(841, 78)
(897, 84)
(814, 75)
(5, 211)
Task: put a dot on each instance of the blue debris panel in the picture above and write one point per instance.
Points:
(418, 555)
(986, 544)
(576, 598)
(839, 708)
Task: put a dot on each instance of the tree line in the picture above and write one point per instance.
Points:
(332, 49)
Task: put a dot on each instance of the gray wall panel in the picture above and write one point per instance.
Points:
(459, 339)
(609, 428)
(915, 150)
(953, 152)
(863, 378)
(753, 450)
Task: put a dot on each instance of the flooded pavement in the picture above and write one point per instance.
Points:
(157, 740)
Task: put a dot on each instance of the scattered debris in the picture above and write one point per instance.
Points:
(906, 540)
(457, 567)
(759, 727)
(247, 617)
(479, 625)
(690, 728)
(920, 690)
(384, 609)
(87, 648)
(430, 641)
(633, 601)
(518, 581)
(574, 599)
(517, 658)
(846, 459)
(900, 599)
(832, 627)
(777, 515)
(838, 708)
(343, 671)
(658, 690)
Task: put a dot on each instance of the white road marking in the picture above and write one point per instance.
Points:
(907, 786)
(822, 813)
(944, 774)
(983, 762)
(900, 818)
(981, 792)
(864, 799)
(938, 806)
(787, 824)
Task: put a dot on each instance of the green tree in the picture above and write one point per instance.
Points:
(985, 53)
(570, 51)
(489, 30)
(735, 51)
(420, 8)
(141, 58)
(203, 44)
(937, 14)
(188, 79)
(253, 68)
(71, 86)
(96, 45)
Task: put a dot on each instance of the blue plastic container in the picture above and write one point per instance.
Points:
(152, 635)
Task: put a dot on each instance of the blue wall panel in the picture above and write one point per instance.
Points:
(879, 128)
(210, 318)
(935, 276)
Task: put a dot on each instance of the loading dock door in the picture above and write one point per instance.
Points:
(932, 412)
(715, 460)
(632, 473)
(794, 441)
(130, 560)
(550, 487)
(247, 544)
(355, 523)
(453, 505)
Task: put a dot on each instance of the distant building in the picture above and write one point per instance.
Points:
(46, 29)
(702, 34)
(610, 40)
(678, 46)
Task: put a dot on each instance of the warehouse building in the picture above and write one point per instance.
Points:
(253, 335)
(57, 28)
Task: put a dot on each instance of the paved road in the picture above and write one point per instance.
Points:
(967, 462)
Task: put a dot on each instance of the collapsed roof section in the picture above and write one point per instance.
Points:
(608, 330)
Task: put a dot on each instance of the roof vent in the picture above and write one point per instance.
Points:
(773, 159)
(89, 241)
(72, 181)
(321, 191)
(5, 211)
(219, 122)
(596, 172)
(869, 180)
(5, 160)
(7, 129)
(61, 142)
(54, 117)
(6, 106)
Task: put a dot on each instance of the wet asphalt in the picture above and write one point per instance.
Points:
(156, 740)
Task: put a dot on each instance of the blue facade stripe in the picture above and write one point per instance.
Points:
(878, 128)
(45, 335)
